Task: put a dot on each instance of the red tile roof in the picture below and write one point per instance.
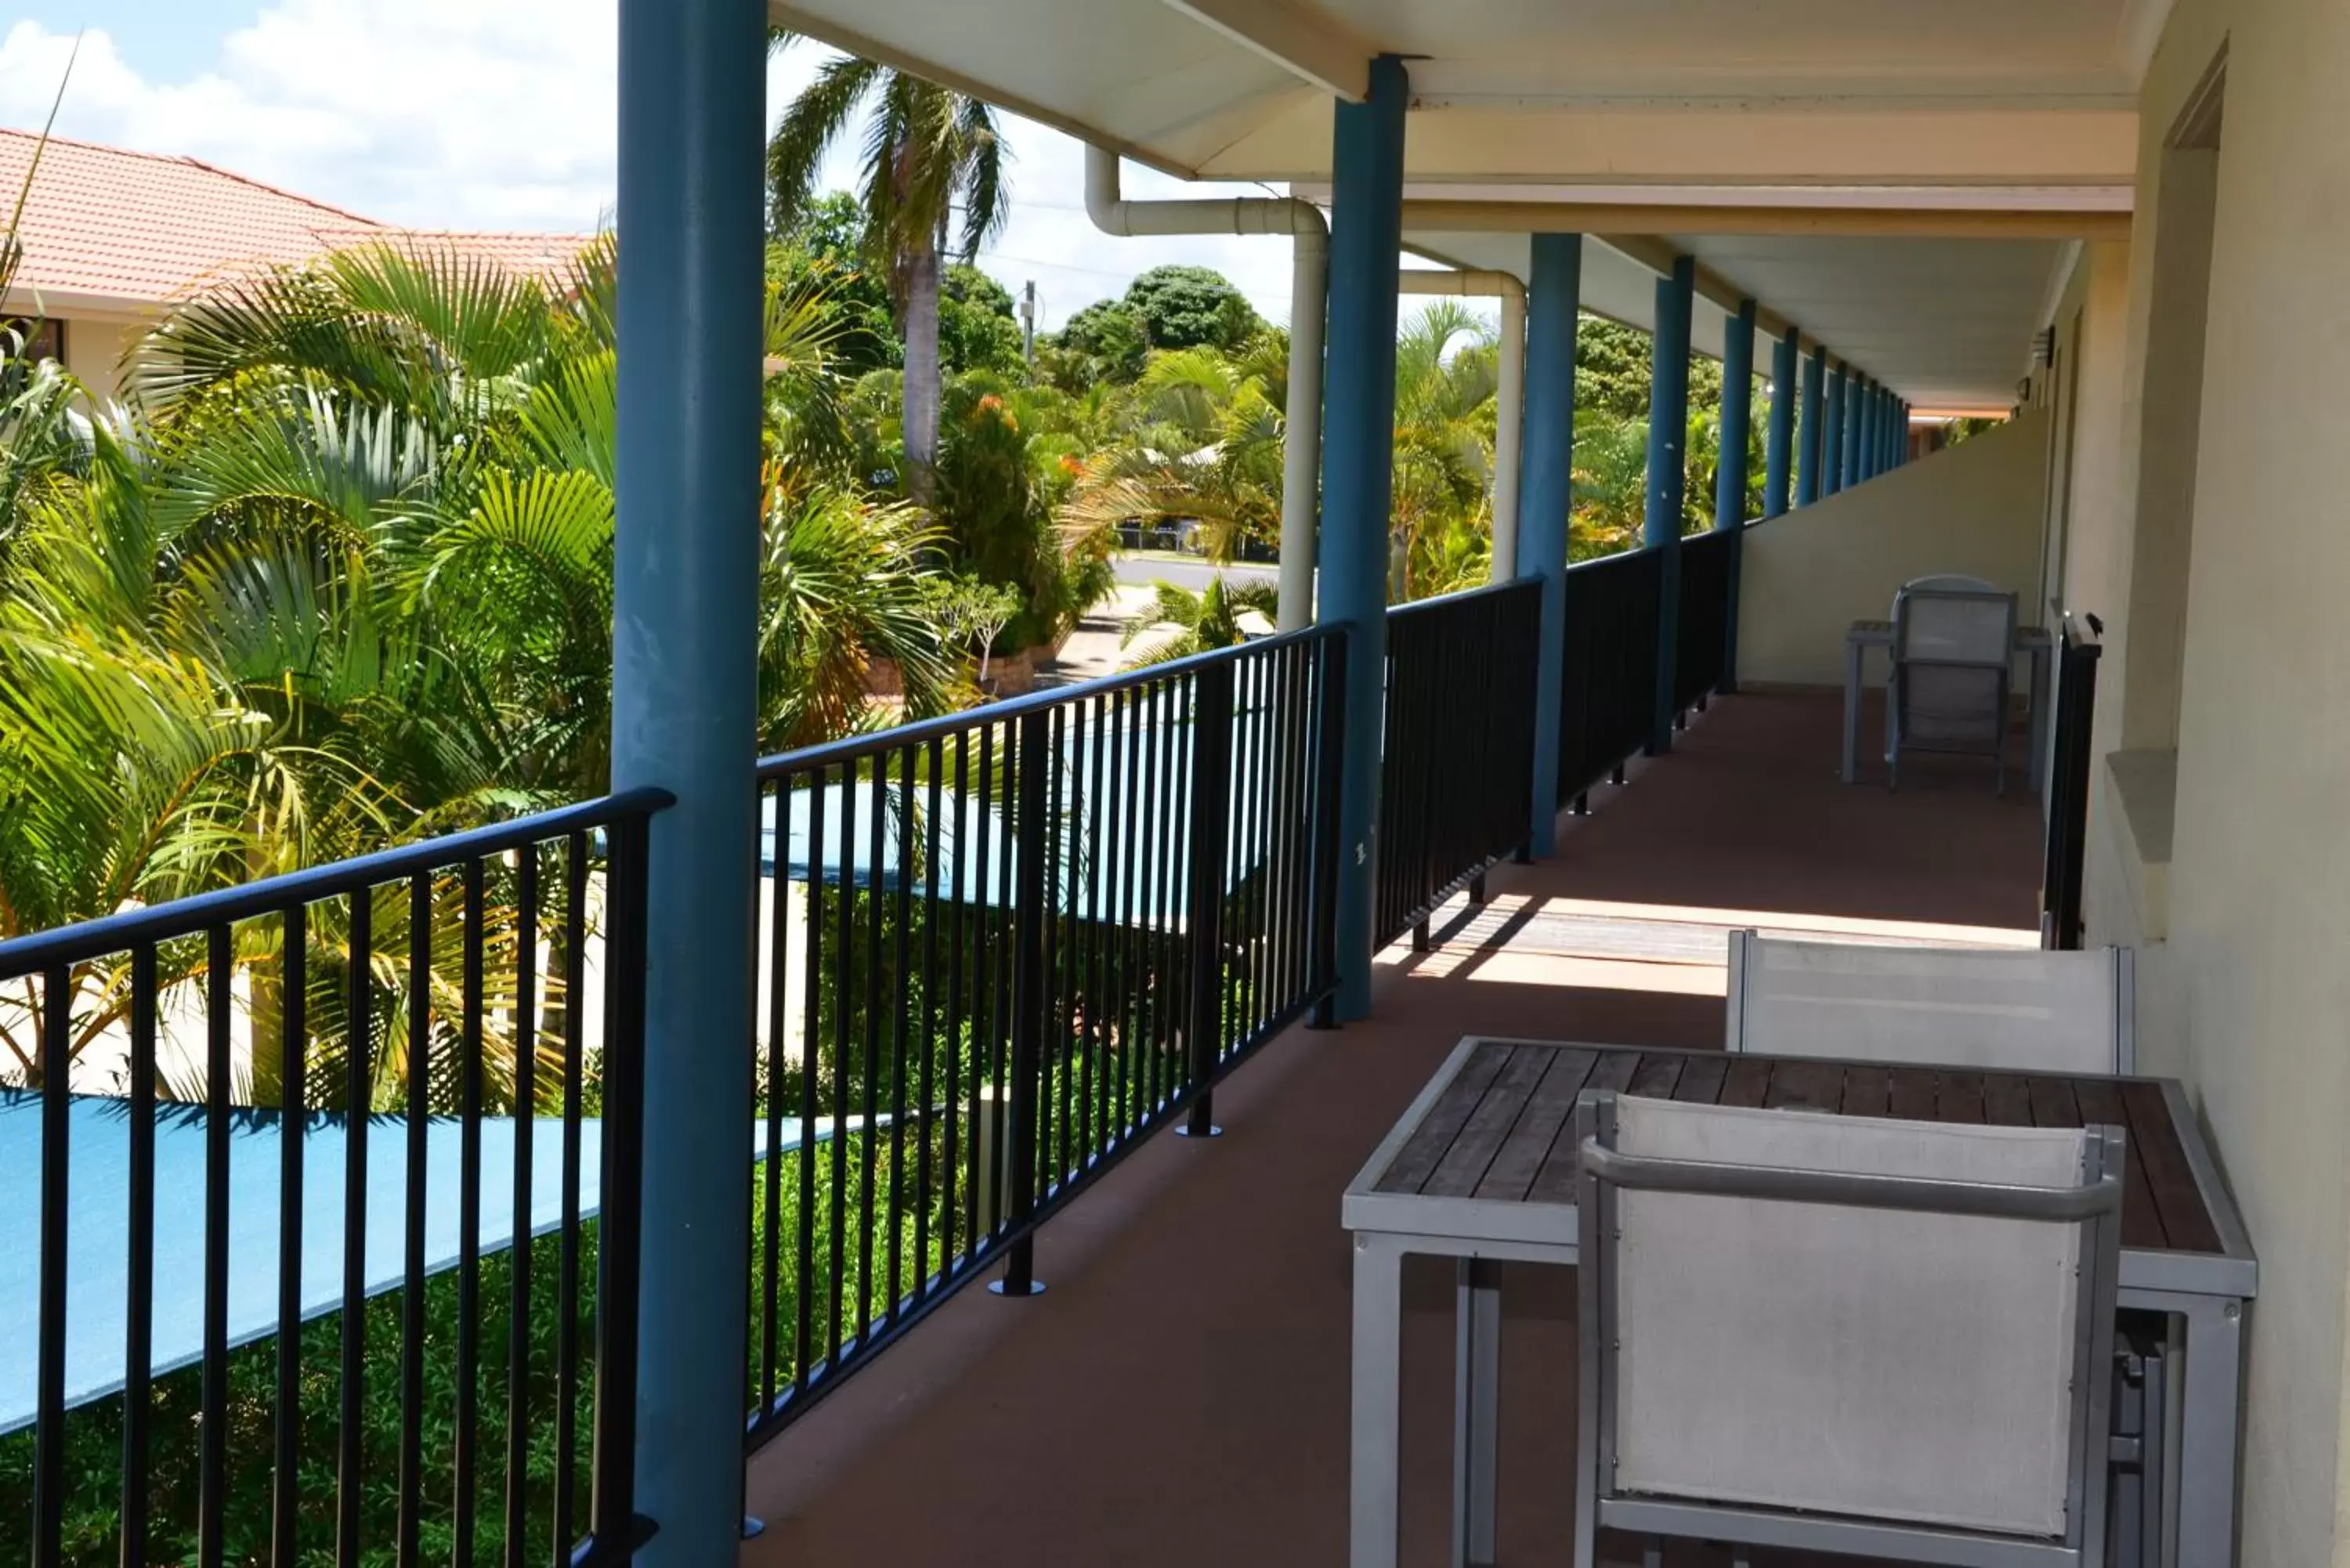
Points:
(140, 227)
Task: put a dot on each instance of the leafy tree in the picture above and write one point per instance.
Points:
(1106, 342)
(979, 329)
(930, 152)
(1190, 307)
(973, 613)
(821, 253)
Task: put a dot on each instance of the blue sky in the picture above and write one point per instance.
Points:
(486, 114)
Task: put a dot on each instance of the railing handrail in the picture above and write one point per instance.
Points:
(856, 748)
(1462, 596)
(199, 912)
(1612, 558)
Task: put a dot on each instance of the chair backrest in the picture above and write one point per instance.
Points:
(1869, 1329)
(1990, 1009)
(1954, 626)
(1943, 580)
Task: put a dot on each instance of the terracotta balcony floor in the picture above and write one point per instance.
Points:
(1179, 1395)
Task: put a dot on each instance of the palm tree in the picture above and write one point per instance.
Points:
(929, 151)
(1447, 371)
(1181, 623)
(343, 575)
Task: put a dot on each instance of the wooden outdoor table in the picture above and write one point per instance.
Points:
(1482, 1169)
(1864, 635)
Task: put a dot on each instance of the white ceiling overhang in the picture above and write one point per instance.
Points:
(1897, 183)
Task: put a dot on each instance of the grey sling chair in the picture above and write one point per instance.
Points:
(1840, 1334)
(2002, 1009)
(1952, 648)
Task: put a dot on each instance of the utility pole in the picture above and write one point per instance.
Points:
(1028, 323)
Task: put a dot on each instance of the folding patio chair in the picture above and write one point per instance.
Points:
(1995, 1009)
(1951, 652)
(1869, 1337)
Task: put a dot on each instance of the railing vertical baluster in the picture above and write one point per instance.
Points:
(767, 1242)
(525, 1115)
(220, 1002)
(50, 1403)
(622, 1228)
(934, 762)
(465, 1461)
(359, 1078)
(1212, 813)
(1030, 1003)
(1126, 765)
(1329, 756)
(138, 1276)
(292, 1129)
(1053, 1060)
(566, 1295)
(1087, 838)
(868, 1162)
(961, 1153)
(986, 1103)
(845, 939)
(903, 979)
(804, 1345)
(410, 1542)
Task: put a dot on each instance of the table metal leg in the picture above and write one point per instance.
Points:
(1476, 1410)
(2210, 1422)
(1372, 1512)
(1852, 657)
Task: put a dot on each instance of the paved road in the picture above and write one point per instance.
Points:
(1144, 568)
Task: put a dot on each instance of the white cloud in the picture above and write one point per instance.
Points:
(461, 114)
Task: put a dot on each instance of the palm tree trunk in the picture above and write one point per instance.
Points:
(920, 410)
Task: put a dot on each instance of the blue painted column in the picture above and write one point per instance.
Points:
(1832, 433)
(1668, 478)
(1871, 400)
(1808, 486)
(1357, 474)
(1545, 500)
(1779, 440)
(691, 232)
(1849, 473)
(1731, 468)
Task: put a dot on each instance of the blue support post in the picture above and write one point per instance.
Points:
(1808, 486)
(1668, 478)
(1871, 400)
(1731, 468)
(1832, 433)
(1357, 472)
(1849, 473)
(692, 234)
(1779, 441)
(1546, 499)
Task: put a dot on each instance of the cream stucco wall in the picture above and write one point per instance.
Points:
(2252, 987)
(95, 347)
(1973, 509)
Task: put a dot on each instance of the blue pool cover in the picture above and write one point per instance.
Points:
(98, 1185)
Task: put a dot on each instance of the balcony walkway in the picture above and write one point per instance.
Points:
(1180, 1394)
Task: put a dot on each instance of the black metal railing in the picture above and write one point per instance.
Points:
(1702, 634)
(2072, 774)
(1608, 686)
(1000, 947)
(407, 1045)
(1458, 746)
